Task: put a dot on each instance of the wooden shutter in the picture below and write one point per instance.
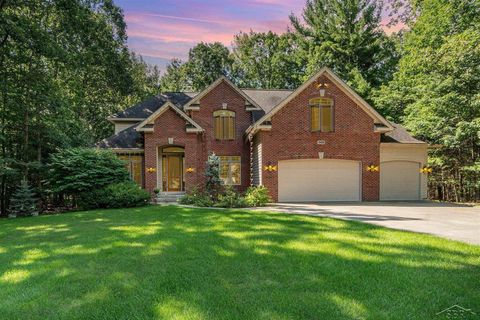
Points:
(315, 118)
(327, 119)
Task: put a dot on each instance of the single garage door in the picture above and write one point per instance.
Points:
(318, 180)
(400, 180)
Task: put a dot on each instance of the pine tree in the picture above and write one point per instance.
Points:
(212, 173)
(23, 202)
(347, 36)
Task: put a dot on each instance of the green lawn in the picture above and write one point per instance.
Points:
(177, 263)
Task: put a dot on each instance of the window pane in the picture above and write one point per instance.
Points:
(164, 173)
(173, 149)
(224, 168)
(235, 173)
(137, 172)
(315, 118)
(327, 119)
(230, 170)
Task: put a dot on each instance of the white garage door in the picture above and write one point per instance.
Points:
(318, 180)
(400, 180)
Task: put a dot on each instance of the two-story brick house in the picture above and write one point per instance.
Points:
(320, 142)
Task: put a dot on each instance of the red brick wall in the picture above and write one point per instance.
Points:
(171, 125)
(198, 146)
(353, 138)
(211, 102)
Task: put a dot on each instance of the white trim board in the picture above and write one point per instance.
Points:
(162, 109)
(199, 96)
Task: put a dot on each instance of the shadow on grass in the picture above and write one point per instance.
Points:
(179, 263)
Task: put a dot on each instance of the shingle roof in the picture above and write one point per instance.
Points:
(125, 139)
(266, 99)
(145, 108)
(399, 135)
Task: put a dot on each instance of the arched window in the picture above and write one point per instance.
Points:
(321, 114)
(224, 124)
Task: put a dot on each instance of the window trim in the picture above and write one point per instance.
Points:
(229, 162)
(223, 118)
(321, 105)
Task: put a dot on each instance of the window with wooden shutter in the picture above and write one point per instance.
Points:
(321, 114)
(224, 124)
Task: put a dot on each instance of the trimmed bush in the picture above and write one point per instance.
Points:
(257, 196)
(196, 197)
(231, 199)
(77, 170)
(119, 195)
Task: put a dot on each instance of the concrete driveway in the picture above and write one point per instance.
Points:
(452, 221)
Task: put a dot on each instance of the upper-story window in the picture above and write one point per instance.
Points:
(321, 114)
(224, 124)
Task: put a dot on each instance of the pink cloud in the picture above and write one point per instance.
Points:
(180, 25)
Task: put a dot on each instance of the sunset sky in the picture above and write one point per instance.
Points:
(160, 30)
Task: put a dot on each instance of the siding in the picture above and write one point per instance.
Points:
(257, 161)
(122, 125)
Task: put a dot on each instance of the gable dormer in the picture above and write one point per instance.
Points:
(321, 96)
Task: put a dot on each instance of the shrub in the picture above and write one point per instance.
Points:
(118, 195)
(257, 196)
(77, 170)
(197, 198)
(231, 199)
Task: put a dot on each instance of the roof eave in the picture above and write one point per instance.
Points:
(153, 116)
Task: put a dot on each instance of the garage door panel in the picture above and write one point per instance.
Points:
(319, 180)
(400, 180)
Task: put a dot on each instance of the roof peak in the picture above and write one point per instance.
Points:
(261, 89)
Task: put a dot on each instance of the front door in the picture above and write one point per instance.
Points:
(172, 172)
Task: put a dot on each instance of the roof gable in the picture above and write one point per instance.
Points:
(386, 126)
(191, 104)
(144, 125)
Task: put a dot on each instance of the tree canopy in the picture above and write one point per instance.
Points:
(348, 37)
(64, 67)
(436, 92)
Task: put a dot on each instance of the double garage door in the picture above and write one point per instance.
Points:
(340, 180)
(319, 180)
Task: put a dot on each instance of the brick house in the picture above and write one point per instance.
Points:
(320, 142)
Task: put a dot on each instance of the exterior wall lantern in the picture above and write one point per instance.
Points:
(190, 169)
(372, 168)
(151, 170)
(321, 88)
(426, 169)
(270, 168)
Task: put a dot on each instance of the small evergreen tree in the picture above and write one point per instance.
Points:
(23, 202)
(213, 184)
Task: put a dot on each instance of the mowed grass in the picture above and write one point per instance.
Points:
(179, 263)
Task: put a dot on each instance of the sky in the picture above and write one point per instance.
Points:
(161, 30)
